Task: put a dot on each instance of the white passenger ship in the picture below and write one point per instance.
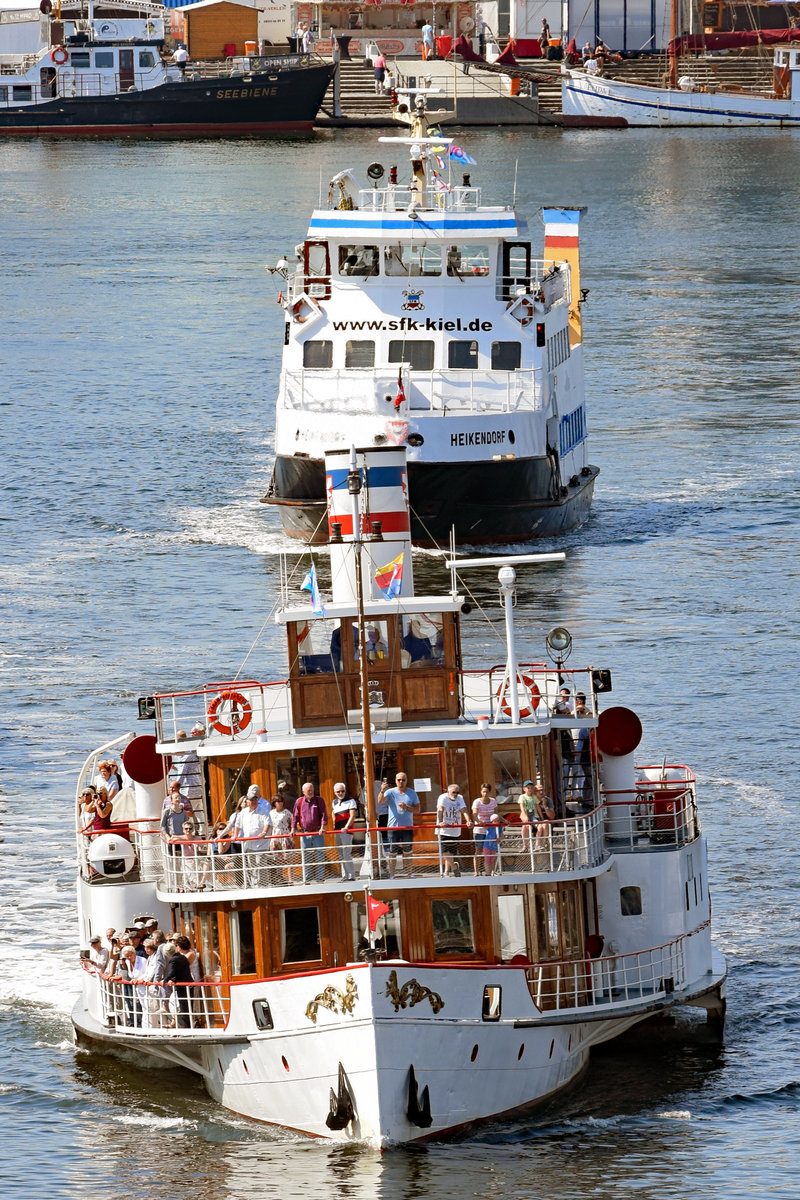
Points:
(472, 994)
(419, 315)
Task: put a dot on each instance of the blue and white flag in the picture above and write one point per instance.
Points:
(460, 155)
(310, 584)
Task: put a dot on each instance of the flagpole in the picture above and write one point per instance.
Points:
(369, 783)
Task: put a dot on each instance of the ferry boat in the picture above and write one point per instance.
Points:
(104, 77)
(419, 315)
(372, 987)
(685, 100)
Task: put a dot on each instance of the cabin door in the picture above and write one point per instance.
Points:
(426, 775)
(126, 76)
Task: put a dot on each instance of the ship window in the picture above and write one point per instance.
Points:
(318, 647)
(466, 261)
(358, 260)
(318, 354)
(359, 354)
(547, 938)
(146, 58)
(377, 642)
(243, 944)
(262, 1014)
(506, 356)
(507, 775)
(300, 941)
(104, 58)
(209, 946)
(386, 938)
(511, 927)
(80, 60)
(417, 355)
(237, 781)
(630, 901)
(292, 773)
(492, 1003)
(408, 259)
(463, 354)
(23, 91)
(3, 95)
(422, 641)
(452, 927)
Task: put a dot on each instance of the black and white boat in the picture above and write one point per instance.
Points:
(109, 77)
(419, 315)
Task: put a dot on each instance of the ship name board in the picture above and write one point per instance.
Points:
(428, 325)
(245, 93)
(486, 437)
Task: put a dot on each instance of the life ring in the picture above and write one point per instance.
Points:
(530, 688)
(522, 310)
(240, 712)
(297, 313)
(59, 55)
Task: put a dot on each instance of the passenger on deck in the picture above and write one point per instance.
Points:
(125, 975)
(344, 814)
(401, 801)
(264, 805)
(88, 797)
(483, 808)
(451, 812)
(107, 779)
(187, 771)
(310, 817)
(253, 827)
(284, 854)
(102, 813)
(563, 705)
(175, 791)
(98, 955)
(491, 844)
(545, 811)
(173, 822)
(179, 974)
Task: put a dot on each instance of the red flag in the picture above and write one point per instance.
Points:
(400, 398)
(375, 910)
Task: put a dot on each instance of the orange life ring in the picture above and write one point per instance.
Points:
(59, 55)
(532, 691)
(297, 310)
(241, 712)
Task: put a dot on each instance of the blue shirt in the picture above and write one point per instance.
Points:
(398, 817)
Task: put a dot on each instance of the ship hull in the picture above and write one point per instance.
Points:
(283, 100)
(486, 502)
(586, 97)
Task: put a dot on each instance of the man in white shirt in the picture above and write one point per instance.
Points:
(252, 829)
(451, 810)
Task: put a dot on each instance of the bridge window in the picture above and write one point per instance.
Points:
(146, 59)
(359, 354)
(422, 641)
(506, 356)
(80, 60)
(412, 260)
(318, 647)
(415, 354)
(463, 355)
(466, 261)
(318, 354)
(105, 58)
(358, 260)
(300, 940)
(452, 927)
(630, 901)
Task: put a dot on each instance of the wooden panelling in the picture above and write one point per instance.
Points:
(210, 30)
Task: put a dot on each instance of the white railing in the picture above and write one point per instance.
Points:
(144, 1007)
(360, 393)
(658, 812)
(397, 197)
(231, 710)
(242, 864)
(613, 979)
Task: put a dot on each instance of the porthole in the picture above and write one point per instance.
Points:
(285, 1064)
(552, 1048)
(521, 1052)
(474, 1054)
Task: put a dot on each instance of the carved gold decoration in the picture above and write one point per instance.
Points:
(411, 993)
(334, 1000)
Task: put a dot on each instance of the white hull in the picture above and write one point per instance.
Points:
(641, 105)
(473, 1069)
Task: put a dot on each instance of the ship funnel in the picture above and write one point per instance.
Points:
(619, 732)
(367, 493)
(561, 244)
(145, 766)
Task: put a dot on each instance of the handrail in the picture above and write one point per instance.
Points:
(140, 1006)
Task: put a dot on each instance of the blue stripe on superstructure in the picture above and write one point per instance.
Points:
(378, 477)
(318, 224)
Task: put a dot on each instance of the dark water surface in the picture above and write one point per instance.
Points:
(139, 354)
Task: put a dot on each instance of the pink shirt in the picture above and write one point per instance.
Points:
(483, 810)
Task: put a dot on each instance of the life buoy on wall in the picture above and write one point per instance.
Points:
(531, 690)
(522, 310)
(59, 55)
(240, 712)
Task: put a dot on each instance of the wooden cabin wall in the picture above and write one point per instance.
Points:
(210, 30)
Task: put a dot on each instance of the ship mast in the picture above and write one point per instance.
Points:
(354, 486)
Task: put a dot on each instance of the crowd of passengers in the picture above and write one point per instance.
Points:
(153, 973)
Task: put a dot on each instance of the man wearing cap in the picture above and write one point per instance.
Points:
(252, 829)
(98, 955)
(580, 773)
(264, 805)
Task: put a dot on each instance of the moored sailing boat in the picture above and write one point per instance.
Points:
(372, 991)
